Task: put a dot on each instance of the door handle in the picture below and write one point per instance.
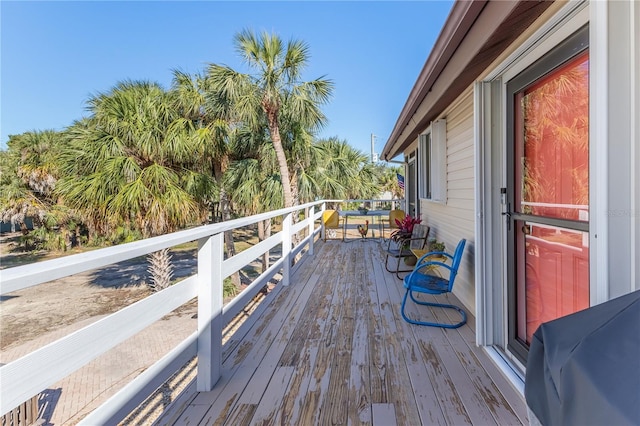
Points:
(507, 214)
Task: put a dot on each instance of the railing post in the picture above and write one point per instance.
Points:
(310, 214)
(286, 248)
(322, 233)
(210, 284)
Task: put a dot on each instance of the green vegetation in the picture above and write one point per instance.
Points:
(149, 160)
(273, 98)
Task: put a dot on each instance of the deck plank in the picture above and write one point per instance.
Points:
(314, 390)
(500, 408)
(177, 407)
(377, 353)
(251, 351)
(425, 393)
(303, 388)
(332, 348)
(269, 411)
(482, 393)
(475, 408)
(384, 415)
(360, 410)
(336, 404)
(422, 348)
(301, 352)
(240, 415)
(402, 397)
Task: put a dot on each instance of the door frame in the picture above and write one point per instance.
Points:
(411, 184)
(490, 171)
(570, 48)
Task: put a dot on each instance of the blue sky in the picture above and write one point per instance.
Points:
(55, 55)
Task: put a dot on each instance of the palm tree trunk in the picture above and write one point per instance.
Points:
(160, 269)
(264, 232)
(274, 132)
(294, 191)
(225, 208)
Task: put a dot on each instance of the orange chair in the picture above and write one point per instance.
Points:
(331, 220)
(393, 215)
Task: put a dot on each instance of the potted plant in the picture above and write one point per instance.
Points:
(402, 235)
(405, 227)
(435, 245)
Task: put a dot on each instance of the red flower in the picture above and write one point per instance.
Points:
(406, 224)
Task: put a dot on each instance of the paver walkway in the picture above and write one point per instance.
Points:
(72, 398)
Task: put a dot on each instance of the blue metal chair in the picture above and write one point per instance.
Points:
(423, 280)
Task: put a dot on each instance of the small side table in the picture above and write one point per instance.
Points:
(418, 253)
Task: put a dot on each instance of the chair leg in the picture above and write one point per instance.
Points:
(344, 228)
(439, 305)
(386, 263)
(398, 270)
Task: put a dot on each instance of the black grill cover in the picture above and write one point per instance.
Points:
(584, 369)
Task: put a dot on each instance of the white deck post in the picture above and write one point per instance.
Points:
(322, 233)
(210, 257)
(310, 213)
(286, 248)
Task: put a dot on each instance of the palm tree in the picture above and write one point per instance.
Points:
(252, 179)
(28, 175)
(26, 178)
(344, 172)
(137, 163)
(388, 178)
(273, 94)
(187, 93)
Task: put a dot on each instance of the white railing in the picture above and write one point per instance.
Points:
(25, 377)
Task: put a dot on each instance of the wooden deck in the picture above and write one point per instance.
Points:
(332, 348)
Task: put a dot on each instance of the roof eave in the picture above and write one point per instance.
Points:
(510, 19)
(460, 19)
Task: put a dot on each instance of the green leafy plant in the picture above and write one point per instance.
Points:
(435, 245)
(229, 289)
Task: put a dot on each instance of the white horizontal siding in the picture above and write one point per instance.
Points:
(455, 220)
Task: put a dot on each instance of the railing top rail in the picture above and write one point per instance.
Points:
(24, 276)
(384, 200)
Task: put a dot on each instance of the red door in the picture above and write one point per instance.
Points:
(548, 194)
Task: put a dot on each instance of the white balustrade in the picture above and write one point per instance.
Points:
(29, 375)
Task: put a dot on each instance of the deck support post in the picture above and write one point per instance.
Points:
(322, 233)
(286, 248)
(210, 320)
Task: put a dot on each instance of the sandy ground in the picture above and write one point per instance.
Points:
(29, 313)
(38, 315)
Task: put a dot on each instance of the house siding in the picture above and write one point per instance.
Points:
(455, 219)
(614, 165)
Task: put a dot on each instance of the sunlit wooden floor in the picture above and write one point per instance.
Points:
(332, 348)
